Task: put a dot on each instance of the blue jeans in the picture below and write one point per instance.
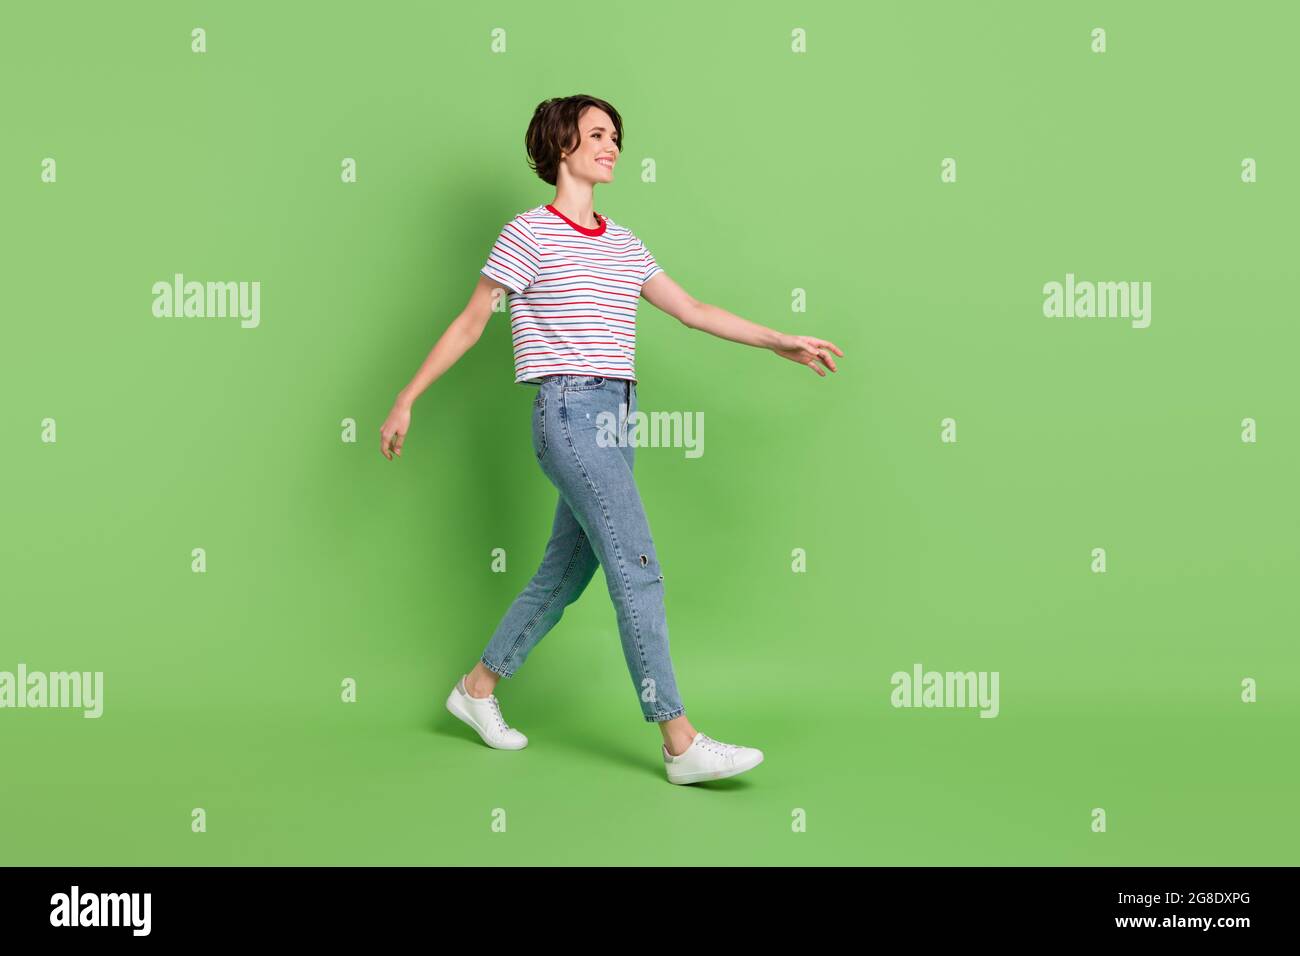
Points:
(599, 521)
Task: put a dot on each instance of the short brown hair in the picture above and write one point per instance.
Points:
(555, 127)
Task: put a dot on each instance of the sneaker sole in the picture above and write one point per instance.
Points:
(699, 776)
(453, 705)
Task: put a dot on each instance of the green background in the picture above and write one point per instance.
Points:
(775, 171)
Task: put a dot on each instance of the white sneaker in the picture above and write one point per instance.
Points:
(709, 759)
(484, 715)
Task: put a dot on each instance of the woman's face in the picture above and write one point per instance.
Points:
(597, 150)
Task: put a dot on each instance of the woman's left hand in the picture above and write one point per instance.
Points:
(807, 350)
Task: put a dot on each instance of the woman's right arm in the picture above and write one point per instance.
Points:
(460, 335)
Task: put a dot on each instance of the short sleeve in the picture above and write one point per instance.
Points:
(649, 266)
(516, 257)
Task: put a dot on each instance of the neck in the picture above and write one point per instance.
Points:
(576, 200)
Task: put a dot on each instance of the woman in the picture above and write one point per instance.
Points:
(573, 278)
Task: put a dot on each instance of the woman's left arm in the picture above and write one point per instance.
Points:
(667, 296)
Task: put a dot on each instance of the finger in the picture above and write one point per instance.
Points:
(817, 355)
(832, 346)
(397, 445)
(383, 446)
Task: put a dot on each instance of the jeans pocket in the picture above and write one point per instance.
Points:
(574, 383)
(539, 425)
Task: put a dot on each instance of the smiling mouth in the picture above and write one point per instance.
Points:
(607, 163)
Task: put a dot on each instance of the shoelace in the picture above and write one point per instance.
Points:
(717, 746)
(496, 708)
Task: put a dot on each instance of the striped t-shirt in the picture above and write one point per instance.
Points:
(574, 291)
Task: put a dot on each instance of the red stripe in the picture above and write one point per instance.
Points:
(528, 324)
(581, 288)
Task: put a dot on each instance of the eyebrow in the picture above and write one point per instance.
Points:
(594, 128)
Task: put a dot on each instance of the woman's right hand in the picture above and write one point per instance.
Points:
(393, 432)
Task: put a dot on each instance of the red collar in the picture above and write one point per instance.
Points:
(585, 230)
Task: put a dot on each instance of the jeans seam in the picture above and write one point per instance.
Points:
(541, 415)
(496, 668)
(618, 551)
(573, 559)
(660, 718)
